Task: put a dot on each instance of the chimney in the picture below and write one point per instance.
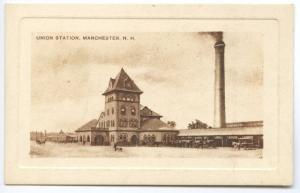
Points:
(219, 110)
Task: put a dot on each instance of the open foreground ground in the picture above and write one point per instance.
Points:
(76, 150)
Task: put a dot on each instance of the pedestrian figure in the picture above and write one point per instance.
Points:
(115, 146)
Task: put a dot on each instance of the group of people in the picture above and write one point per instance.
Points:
(116, 148)
(236, 145)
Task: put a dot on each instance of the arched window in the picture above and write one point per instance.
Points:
(122, 122)
(133, 112)
(123, 110)
(80, 139)
(125, 123)
(88, 138)
(112, 110)
(133, 122)
(123, 137)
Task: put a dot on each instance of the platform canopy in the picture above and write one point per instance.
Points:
(244, 131)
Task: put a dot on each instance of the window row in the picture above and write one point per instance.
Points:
(121, 123)
(108, 123)
(123, 137)
(124, 110)
(128, 98)
(84, 138)
(111, 98)
(149, 138)
(108, 111)
(128, 123)
(168, 137)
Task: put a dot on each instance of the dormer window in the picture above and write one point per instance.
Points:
(110, 86)
(127, 83)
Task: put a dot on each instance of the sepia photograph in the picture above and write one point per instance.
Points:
(149, 95)
(132, 95)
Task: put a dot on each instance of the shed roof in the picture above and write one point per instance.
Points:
(222, 131)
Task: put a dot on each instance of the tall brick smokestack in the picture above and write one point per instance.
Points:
(219, 109)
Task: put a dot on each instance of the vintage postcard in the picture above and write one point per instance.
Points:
(149, 95)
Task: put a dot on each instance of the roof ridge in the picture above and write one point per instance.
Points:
(153, 114)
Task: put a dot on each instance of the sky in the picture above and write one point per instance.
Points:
(175, 71)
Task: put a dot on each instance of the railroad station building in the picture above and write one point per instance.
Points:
(124, 120)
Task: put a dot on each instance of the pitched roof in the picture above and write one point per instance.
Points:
(155, 124)
(122, 82)
(52, 134)
(71, 134)
(88, 125)
(146, 112)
